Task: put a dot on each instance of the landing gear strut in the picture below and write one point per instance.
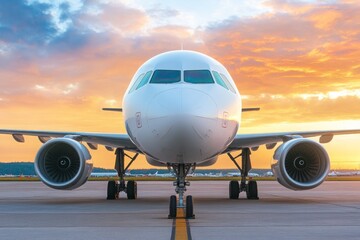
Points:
(249, 187)
(115, 187)
(181, 171)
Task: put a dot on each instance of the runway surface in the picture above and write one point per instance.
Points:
(33, 211)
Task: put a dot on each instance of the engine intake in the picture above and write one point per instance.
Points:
(63, 163)
(301, 164)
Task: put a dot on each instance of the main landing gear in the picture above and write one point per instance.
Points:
(115, 187)
(181, 171)
(250, 187)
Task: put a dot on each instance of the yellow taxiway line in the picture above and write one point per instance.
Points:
(181, 228)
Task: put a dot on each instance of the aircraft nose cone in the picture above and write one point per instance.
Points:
(182, 121)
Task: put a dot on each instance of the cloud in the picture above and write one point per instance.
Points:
(284, 55)
(111, 16)
(325, 19)
(158, 11)
(332, 94)
(288, 51)
(21, 22)
(56, 90)
(294, 7)
(40, 88)
(175, 31)
(298, 63)
(111, 102)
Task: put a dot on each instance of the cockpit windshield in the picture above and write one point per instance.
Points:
(166, 76)
(198, 76)
(144, 80)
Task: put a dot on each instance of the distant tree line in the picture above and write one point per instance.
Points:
(27, 168)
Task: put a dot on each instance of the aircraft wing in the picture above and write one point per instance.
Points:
(270, 139)
(109, 140)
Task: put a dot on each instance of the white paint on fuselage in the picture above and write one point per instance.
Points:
(182, 122)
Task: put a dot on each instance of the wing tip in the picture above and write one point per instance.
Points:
(113, 109)
(250, 109)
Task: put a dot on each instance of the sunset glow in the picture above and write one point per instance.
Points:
(62, 61)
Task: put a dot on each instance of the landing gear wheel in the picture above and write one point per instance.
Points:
(252, 191)
(234, 189)
(189, 207)
(172, 207)
(131, 189)
(112, 190)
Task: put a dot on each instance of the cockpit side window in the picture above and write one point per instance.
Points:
(166, 76)
(144, 80)
(228, 84)
(198, 76)
(219, 80)
(136, 82)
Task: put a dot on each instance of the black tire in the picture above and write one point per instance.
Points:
(252, 191)
(131, 189)
(172, 207)
(111, 190)
(234, 189)
(189, 207)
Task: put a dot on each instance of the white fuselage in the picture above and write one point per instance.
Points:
(187, 120)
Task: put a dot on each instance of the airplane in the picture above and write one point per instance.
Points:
(181, 110)
(269, 174)
(113, 174)
(237, 174)
(157, 174)
(103, 174)
(194, 174)
(215, 175)
(342, 173)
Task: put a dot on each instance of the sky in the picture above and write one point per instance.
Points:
(62, 61)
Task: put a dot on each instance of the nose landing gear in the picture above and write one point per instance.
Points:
(181, 171)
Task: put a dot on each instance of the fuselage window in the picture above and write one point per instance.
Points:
(144, 80)
(136, 82)
(219, 80)
(198, 76)
(228, 84)
(166, 76)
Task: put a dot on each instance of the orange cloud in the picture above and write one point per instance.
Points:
(325, 19)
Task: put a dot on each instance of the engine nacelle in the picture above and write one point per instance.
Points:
(63, 163)
(301, 164)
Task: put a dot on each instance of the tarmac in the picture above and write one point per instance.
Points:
(33, 211)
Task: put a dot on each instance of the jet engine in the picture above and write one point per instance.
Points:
(63, 163)
(300, 164)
